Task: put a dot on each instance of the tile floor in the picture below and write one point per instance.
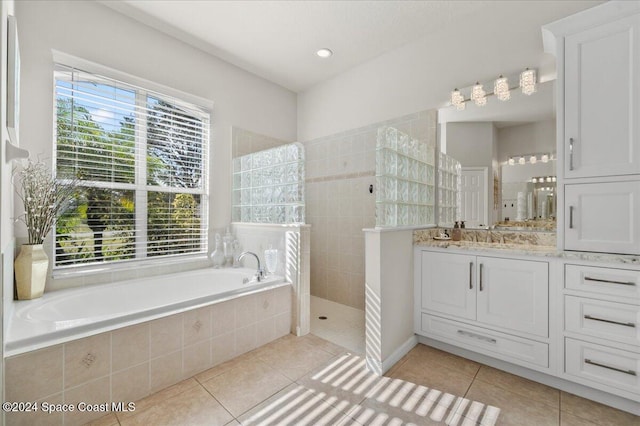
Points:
(310, 381)
(344, 325)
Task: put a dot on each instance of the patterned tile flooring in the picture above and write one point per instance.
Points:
(310, 381)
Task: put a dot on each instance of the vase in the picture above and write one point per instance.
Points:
(31, 268)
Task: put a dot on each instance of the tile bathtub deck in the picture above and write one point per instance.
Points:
(310, 381)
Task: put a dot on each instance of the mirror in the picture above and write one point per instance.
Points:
(507, 153)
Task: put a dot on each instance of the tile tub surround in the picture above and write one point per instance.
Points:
(132, 362)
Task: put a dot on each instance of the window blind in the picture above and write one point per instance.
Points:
(141, 159)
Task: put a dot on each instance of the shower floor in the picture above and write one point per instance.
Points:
(344, 325)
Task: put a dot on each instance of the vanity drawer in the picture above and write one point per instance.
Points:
(606, 320)
(510, 348)
(606, 281)
(601, 364)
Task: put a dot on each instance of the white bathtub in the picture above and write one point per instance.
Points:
(65, 315)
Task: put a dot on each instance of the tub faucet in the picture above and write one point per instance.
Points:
(259, 276)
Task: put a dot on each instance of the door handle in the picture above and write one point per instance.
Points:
(570, 217)
(570, 153)
(470, 275)
(481, 276)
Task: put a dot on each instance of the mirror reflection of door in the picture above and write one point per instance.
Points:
(474, 196)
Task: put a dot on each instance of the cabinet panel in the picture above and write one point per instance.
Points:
(500, 345)
(606, 320)
(602, 88)
(447, 284)
(601, 364)
(514, 294)
(603, 217)
(605, 281)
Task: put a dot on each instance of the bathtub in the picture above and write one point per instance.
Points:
(65, 315)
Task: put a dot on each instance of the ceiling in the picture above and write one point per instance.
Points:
(277, 40)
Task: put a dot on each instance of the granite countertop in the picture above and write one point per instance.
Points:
(518, 243)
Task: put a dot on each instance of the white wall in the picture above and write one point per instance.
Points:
(420, 75)
(6, 191)
(93, 32)
(96, 33)
(530, 138)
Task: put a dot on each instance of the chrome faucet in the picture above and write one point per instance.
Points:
(259, 276)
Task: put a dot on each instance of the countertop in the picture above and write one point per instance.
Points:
(526, 243)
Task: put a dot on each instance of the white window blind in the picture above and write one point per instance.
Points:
(141, 160)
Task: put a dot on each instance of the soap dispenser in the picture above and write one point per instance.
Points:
(455, 232)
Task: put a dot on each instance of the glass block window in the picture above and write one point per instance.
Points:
(405, 169)
(449, 182)
(268, 186)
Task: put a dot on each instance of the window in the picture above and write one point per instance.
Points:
(141, 161)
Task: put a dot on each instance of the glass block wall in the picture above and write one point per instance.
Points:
(405, 169)
(449, 182)
(268, 186)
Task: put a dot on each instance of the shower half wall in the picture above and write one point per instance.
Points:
(339, 171)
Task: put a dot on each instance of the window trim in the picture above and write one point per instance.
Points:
(143, 88)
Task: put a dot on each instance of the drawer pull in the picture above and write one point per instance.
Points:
(631, 283)
(470, 275)
(481, 277)
(620, 370)
(626, 324)
(477, 336)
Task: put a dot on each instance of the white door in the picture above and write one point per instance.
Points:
(603, 217)
(474, 196)
(514, 294)
(448, 285)
(602, 106)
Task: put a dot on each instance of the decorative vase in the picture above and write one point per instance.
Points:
(31, 267)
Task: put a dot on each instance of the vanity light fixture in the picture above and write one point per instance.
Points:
(478, 95)
(501, 88)
(544, 158)
(511, 161)
(324, 52)
(457, 100)
(528, 81)
(533, 159)
(522, 160)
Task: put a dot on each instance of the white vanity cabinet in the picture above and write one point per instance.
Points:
(602, 327)
(498, 306)
(598, 138)
(603, 217)
(602, 100)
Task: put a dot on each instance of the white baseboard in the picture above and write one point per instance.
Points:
(397, 355)
(546, 379)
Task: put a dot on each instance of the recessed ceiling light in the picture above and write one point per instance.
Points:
(324, 52)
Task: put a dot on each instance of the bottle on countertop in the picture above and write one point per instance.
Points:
(217, 255)
(462, 224)
(456, 234)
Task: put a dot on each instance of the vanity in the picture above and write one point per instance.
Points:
(560, 308)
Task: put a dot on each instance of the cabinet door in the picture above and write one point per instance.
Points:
(514, 294)
(602, 95)
(448, 285)
(603, 217)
